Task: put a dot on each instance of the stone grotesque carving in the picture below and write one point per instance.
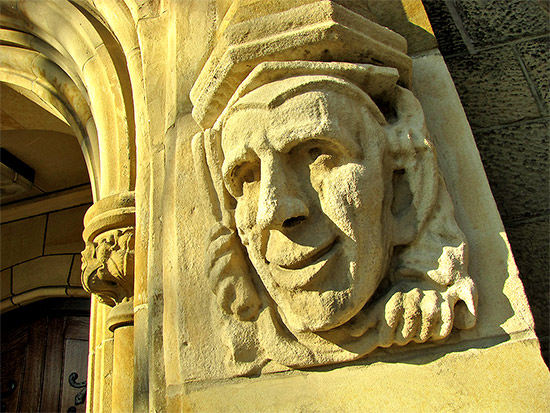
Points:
(107, 265)
(108, 259)
(336, 234)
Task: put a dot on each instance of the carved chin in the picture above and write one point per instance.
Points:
(311, 311)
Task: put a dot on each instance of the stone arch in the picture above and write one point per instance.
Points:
(67, 59)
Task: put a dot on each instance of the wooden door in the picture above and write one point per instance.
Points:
(44, 357)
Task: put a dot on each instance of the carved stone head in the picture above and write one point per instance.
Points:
(336, 234)
(311, 183)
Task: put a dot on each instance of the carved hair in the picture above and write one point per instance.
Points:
(431, 261)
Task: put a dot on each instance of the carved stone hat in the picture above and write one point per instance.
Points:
(297, 41)
(375, 81)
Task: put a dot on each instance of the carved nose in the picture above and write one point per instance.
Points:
(280, 204)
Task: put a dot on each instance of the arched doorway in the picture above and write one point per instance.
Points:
(45, 312)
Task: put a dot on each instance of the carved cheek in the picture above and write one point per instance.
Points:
(247, 208)
(339, 193)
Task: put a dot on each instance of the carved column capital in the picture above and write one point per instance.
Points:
(108, 259)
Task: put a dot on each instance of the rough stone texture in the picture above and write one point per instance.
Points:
(531, 247)
(448, 37)
(490, 97)
(180, 340)
(64, 231)
(5, 283)
(490, 22)
(22, 240)
(521, 191)
(465, 381)
(516, 163)
(536, 56)
(52, 270)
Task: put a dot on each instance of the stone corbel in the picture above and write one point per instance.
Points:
(108, 259)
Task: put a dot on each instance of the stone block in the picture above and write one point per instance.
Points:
(492, 87)
(536, 55)
(48, 271)
(516, 163)
(22, 240)
(64, 231)
(5, 284)
(75, 277)
(448, 37)
(490, 22)
(531, 246)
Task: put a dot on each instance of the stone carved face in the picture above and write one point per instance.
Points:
(311, 185)
(342, 213)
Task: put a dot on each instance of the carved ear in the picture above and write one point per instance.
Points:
(225, 261)
(415, 183)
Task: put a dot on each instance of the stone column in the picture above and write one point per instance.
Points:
(108, 272)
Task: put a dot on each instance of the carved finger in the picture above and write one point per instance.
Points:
(220, 268)
(411, 317)
(446, 319)
(430, 306)
(393, 311)
(217, 230)
(465, 310)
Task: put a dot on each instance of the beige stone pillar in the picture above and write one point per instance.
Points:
(108, 273)
(121, 323)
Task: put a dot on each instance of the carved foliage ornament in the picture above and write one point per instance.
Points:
(336, 234)
(107, 265)
(108, 259)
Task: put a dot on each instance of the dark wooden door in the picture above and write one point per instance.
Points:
(44, 357)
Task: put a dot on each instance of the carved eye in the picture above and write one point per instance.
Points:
(243, 174)
(315, 152)
(322, 154)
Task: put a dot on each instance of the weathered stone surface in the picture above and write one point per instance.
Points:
(108, 259)
(22, 240)
(516, 160)
(448, 37)
(533, 52)
(317, 245)
(471, 380)
(64, 231)
(52, 270)
(333, 232)
(536, 55)
(5, 283)
(502, 88)
(531, 247)
(489, 22)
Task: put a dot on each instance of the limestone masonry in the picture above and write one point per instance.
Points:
(289, 209)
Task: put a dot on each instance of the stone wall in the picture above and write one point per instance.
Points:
(40, 256)
(497, 52)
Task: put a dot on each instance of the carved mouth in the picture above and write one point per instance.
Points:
(312, 258)
(308, 269)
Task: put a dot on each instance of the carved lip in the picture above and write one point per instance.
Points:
(311, 258)
(312, 267)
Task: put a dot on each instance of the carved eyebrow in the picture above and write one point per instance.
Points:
(348, 144)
